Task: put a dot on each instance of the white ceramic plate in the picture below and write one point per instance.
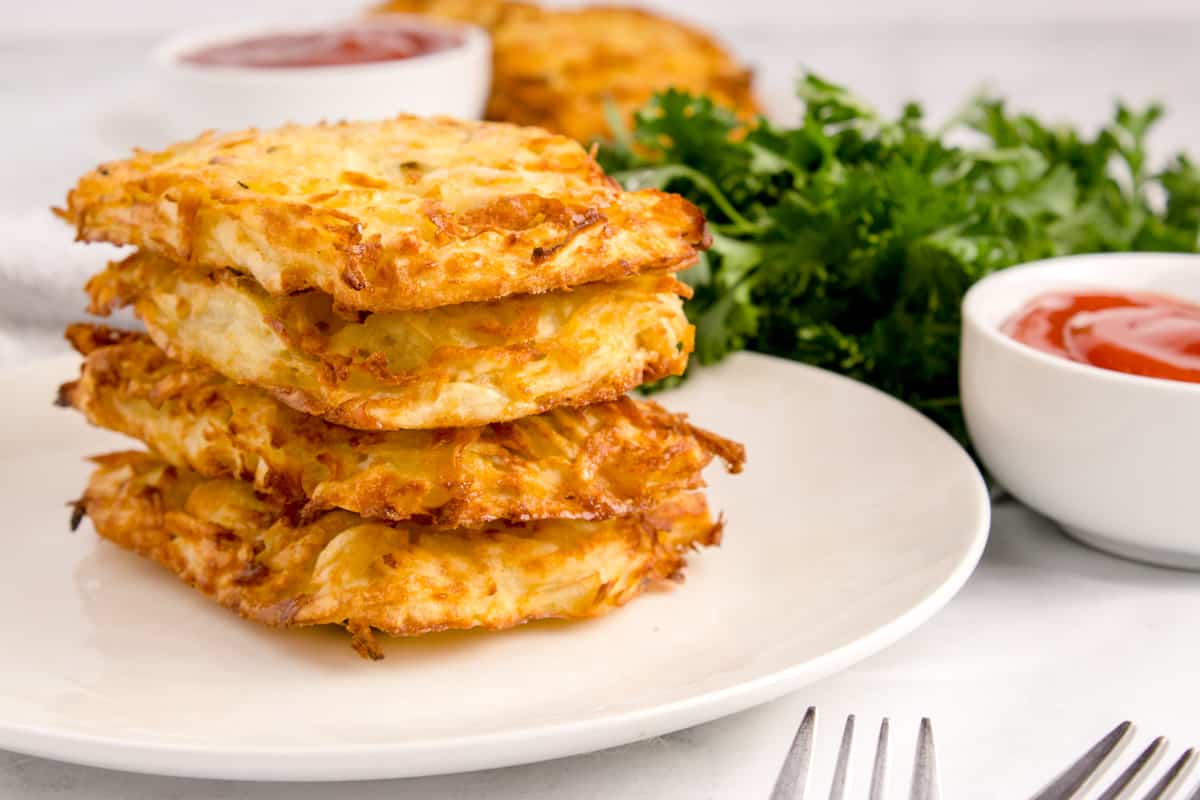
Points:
(855, 520)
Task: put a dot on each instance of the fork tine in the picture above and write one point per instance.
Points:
(924, 778)
(1128, 778)
(1169, 780)
(793, 776)
(838, 790)
(1068, 784)
(879, 773)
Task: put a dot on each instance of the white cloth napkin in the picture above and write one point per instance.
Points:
(42, 272)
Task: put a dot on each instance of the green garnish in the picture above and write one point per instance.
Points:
(848, 241)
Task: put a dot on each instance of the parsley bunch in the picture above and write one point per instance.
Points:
(848, 241)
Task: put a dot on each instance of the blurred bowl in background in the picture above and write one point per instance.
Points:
(1113, 458)
(452, 81)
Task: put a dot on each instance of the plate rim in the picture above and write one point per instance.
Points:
(512, 747)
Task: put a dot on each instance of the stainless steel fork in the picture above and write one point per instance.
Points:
(793, 780)
(1080, 776)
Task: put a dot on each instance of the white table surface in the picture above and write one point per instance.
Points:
(1049, 644)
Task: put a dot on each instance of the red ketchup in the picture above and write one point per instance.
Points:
(362, 44)
(1136, 332)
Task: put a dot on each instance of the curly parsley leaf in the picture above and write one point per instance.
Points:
(848, 240)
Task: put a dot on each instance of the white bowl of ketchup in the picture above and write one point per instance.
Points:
(266, 74)
(1079, 384)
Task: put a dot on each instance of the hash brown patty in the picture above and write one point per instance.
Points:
(464, 365)
(408, 213)
(403, 579)
(604, 460)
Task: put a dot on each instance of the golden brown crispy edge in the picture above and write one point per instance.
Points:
(402, 579)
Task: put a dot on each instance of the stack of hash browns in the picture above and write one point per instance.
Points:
(384, 375)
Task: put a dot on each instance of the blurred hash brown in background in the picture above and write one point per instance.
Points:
(560, 68)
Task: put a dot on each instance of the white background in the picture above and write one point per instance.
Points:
(125, 15)
(1048, 645)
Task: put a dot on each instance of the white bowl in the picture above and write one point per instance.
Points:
(196, 97)
(1113, 458)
